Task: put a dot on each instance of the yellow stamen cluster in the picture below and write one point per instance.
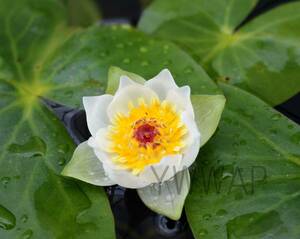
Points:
(146, 134)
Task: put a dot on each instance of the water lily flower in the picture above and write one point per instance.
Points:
(145, 136)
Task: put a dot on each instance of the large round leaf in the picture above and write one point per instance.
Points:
(261, 56)
(246, 183)
(41, 57)
(35, 201)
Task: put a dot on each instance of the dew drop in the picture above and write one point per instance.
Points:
(103, 54)
(33, 146)
(221, 213)
(269, 220)
(61, 161)
(4, 181)
(120, 45)
(273, 131)
(27, 234)
(276, 116)
(290, 126)
(206, 216)
(167, 63)
(145, 63)
(235, 144)
(143, 49)
(243, 142)
(202, 232)
(166, 48)
(24, 218)
(63, 148)
(188, 70)
(7, 219)
(126, 61)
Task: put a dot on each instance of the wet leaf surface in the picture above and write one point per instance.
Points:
(261, 56)
(246, 181)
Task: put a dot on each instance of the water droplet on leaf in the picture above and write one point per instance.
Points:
(276, 116)
(290, 126)
(27, 234)
(145, 63)
(221, 213)
(143, 49)
(61, 161)
(126, 60)
(5, 181)
(206, 216)
(24, 218)
(188, 70)
(33, 146)
(120, 45)
(268, 221)
(202, 232)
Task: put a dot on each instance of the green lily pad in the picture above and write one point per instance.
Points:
(41, 57)
(261, 56)
(246, 181)
(35, 201)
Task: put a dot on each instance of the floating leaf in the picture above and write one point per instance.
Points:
(261, 56)
(35, 201)
(246, 180)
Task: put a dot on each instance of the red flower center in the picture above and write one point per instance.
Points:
(145, 133)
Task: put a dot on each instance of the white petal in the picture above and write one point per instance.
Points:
(85, 166)
(95, 108)
(101, 141)
(192, 140)
(125, 178)
(162, 83)
(103, 156)
(162, 171)
(181, 98)
(128, 94)
(190, 153)
(167, 198)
